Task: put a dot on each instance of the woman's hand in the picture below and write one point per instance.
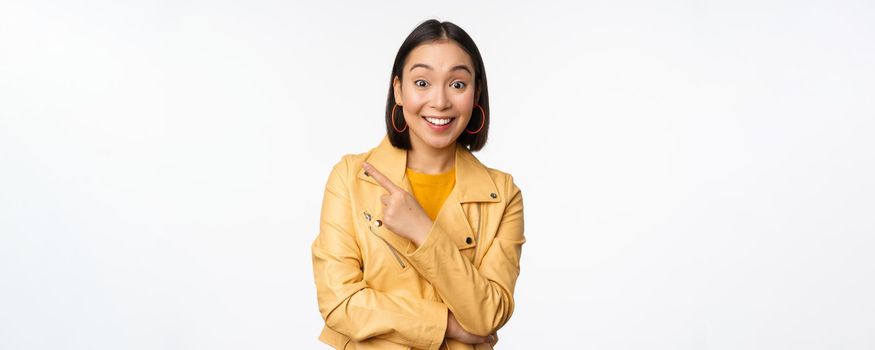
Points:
(455, 331)
(402, 214)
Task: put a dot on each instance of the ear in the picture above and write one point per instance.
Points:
(477, 95)
(396, 87)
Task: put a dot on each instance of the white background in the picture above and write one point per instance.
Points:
(696, 174)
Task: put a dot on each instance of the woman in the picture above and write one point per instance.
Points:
(419, 242)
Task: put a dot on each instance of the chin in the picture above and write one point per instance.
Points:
(440, 142)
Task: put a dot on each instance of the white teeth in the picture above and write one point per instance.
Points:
(437, 121)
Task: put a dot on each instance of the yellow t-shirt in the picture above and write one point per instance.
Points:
(431, 190)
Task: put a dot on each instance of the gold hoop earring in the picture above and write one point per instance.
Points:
(393, 119)
(482, 120)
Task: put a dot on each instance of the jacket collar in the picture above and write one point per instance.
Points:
(473, 182)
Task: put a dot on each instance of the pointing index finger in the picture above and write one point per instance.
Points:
(381, 179)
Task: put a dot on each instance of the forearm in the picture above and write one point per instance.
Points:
(370, 313)
(479, 304)
(349, 306)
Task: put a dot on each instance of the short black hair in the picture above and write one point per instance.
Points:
(428, 31)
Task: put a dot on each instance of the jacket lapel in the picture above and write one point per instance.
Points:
(473, 184)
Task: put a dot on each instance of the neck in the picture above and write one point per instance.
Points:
(428, 160)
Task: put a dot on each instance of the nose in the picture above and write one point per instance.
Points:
(440, 101)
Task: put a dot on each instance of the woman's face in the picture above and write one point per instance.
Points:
(437, 93)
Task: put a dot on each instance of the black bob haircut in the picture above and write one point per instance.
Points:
(425, 32)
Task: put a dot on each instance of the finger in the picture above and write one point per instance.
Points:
(381, 179)
(472, 338)
(476, 339)
(385, 199)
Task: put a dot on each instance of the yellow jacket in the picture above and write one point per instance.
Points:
(377, 290)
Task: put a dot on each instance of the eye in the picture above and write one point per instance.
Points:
(423, 83)
(459, 85)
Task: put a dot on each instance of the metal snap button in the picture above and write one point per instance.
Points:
(493, 195)
(366, 174)
(469, 240)
(378, 223)
(367, 216)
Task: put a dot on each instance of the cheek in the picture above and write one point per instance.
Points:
(466, 105)
(413, 102)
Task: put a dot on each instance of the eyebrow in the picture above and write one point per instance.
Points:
(458, 67)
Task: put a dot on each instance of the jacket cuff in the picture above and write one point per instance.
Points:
(433, 235)
(434, 249)
(436, 339)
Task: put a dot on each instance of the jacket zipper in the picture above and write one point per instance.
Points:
(391, 248)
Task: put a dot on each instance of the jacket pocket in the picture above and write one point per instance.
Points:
(395, 253)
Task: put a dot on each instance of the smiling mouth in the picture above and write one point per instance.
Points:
(438, 121)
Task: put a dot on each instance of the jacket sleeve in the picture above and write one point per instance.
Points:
(346, 303)
(480, 299)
